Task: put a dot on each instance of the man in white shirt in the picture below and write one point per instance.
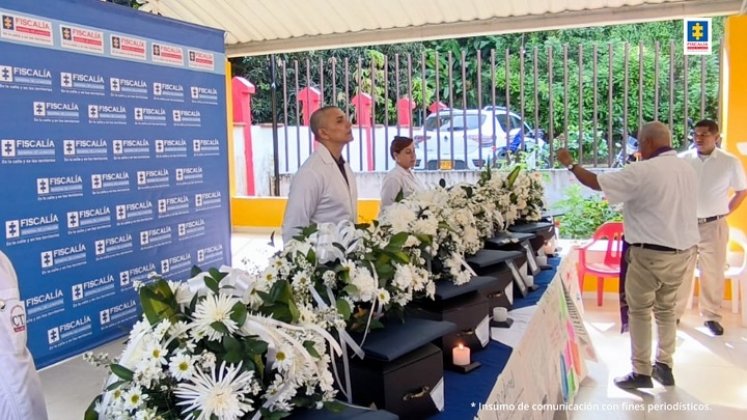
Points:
(323, 190)
(718, 173)
(660, 195)
(21, 395)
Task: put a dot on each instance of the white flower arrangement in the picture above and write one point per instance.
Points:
(205, 349)
(346, 277)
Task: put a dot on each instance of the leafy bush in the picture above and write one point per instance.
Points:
(583, 215)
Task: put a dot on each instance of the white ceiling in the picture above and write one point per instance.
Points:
(255, 27)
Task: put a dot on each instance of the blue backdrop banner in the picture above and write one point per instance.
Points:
(114, 162)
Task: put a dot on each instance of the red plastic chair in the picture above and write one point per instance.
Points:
(610, 266)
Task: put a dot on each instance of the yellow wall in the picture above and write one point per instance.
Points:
(734, 126)
(268, 211)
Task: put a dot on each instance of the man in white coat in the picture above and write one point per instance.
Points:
(323, 190)
(21, 396)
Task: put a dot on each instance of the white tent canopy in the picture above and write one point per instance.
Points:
(255, 27)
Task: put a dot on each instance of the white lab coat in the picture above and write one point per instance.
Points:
(396, 180)
(21, 396)
(319, 194)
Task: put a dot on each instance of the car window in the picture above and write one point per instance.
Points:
(455, 122)
(515, 122)
(500, 117)
(472, 121)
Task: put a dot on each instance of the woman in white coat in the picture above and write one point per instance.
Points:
(21, 396)
(400, 178)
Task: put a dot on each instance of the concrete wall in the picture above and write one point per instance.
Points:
(369, 183)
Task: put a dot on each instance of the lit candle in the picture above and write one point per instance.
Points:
(460, 355)
(500, 314)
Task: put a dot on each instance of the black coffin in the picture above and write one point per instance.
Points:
(543, 231)
(407, 386)
(470, 314)
(516, 241)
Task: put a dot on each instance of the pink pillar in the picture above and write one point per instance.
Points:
(363, 104)
(405, 105)
(242, 113)
(437, 106)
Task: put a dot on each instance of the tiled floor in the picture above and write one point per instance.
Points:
(711, 372)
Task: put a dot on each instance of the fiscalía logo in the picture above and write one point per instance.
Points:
(116, 84)
(81, 290)
(70, 80)
(36, 221)
(697, 36)
(75, 324)
(37, 73)
(106, 315)
(48, 257)
(44, 298)
(14, 228)
(211, 251)
(200, 92)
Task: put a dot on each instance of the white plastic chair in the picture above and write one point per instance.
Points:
(736, 270)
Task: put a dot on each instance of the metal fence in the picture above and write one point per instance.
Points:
(500, 105)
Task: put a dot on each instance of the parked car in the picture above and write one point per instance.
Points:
(467, 139)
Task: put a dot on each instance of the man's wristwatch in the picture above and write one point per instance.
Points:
(571, 166)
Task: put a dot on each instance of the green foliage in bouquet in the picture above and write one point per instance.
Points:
(347, 277)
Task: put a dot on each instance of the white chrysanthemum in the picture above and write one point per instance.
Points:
(179, 330)
(329, 278)
(156, 352)
(283, 358)
(181, 366)
(301, 280)
(147, 414)
(403, 277)
(306, 315)
(140, 327)
(134, 397)
(383, 296)
(365, 283)
(207, 360)
(214, 309)
(399, 217)
(222, 393)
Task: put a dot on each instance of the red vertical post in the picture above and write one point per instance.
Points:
(242, 113)
(363, 104)
(311, 100)
(405, 105)
(437, 106)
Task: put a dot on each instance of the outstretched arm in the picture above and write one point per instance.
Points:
(584, 176)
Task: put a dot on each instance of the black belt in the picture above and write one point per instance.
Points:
(654, 247)
(710, 219)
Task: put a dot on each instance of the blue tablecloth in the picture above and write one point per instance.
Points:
(463, 393)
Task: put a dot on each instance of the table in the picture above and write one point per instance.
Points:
(540, 359)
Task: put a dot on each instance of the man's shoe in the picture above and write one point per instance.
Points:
(634, 380)
(663, 374)
(715, 327)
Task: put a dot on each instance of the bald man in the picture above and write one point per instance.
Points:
(323, 190)
(661, 225)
